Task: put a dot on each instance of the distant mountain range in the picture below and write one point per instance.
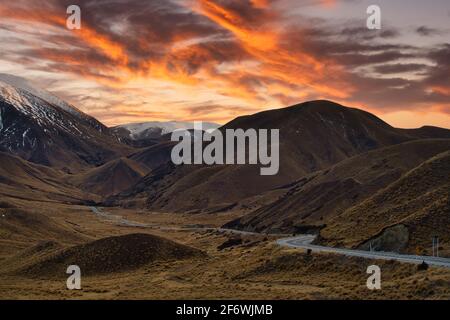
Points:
(137, 131)
(344, 173)
(313, 136)
(146, 134)
(333, 159)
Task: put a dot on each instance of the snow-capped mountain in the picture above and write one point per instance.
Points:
(155, 129)
(40, 127)
(25, 85)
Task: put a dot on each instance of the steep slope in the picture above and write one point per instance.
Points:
(308, 204)
(52, 132)
(313, 136)
(111, 178)
(25, 85)
(154, 156)
(412, 210)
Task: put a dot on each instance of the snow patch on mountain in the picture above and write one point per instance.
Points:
(46, 115)
(137, 129)
(11, 95)
(38, 127)
(23, 84)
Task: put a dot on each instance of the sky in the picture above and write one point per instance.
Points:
(214, 60)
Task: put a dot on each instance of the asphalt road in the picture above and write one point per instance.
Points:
(304, 242)
(301, 242)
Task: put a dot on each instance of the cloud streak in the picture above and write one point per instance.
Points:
(139, 59)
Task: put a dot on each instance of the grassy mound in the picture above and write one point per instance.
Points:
(112, 254)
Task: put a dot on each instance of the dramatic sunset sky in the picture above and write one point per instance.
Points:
(213, 60)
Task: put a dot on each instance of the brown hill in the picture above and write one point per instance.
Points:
(154, 156)
(29, 255)
(22, 226)
(411, 210)
(112, 254)
(111, 178)
(309, 203)
(313, 136)
(26, 180)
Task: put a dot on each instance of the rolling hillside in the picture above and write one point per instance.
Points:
(313, 136)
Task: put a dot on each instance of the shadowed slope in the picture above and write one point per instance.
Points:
(110, 178)
(309, 203)
(419, 201)
(313, 136)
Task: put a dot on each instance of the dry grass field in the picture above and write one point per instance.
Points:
(252, 267)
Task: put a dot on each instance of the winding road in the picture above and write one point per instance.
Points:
(305, 242)
(300, 242)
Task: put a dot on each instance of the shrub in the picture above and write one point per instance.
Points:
(422, 267)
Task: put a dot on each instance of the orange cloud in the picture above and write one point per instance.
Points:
(252, 37)
(260, 39)
(245, 53)
(263, 44)
(441, 90)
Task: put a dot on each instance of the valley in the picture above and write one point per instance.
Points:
(351, 191)
(254, 269)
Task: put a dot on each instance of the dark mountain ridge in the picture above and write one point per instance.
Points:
(54, 135)
(313, 136)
